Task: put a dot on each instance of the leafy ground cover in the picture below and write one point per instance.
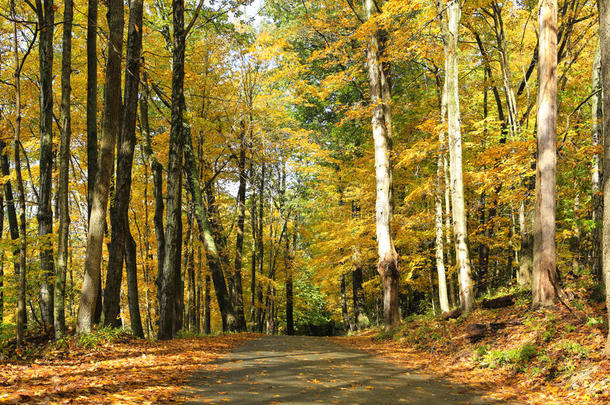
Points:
(110, 367)
(541, 357)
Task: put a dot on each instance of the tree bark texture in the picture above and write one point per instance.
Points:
(110, 130)
(45, 10)
(380, 100)
(119, 210)
(545, 272)
(64, 166)
(173, 237)
(604, 37)
(451, 29)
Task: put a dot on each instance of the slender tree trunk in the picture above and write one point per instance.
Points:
(21, 308)
(261, 245)
(455, 157)
(289, 284)
(198, 300)
(382, 126)
(13, 224)
(173, 237)
(253, 223)
(64, 166)
(157, 172)
(604, 37)
(91, 102)
(207, 326)
(438, 205)
(545, 272)
(190, 270)
(45, 9)
(131, 268)
(360, 319)
(527, 244)
(239, 242)
(112, 115)
(213, 252)
(596, 172)
(92, 147)
(344, 313)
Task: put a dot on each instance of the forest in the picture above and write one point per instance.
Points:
(417, 175)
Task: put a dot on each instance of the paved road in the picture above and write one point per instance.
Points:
(309, 370)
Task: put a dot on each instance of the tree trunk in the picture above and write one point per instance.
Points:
(21, 308)
(360, 319)
(119, 210)
(382, 126)
(545, 272)
(112, 115)
(173, 237)
(131, 268)
(451, 30)
(253, 223)
(239, 242)
(13, 224)
(45, 10)
(596, 174)
(207, 326)
(527, 244)
(604, 38)
(213, 253)
(157, 171)
(190, 271)
(91, 102)
(289, 284)
(64, 166)
(438, 207)
(344, 313)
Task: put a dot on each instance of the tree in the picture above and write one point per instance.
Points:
(173, 218)
(460, 232)
(21, 310)
(112, 115)
(604, 40)
(438, 205)
(45, 10)
(64, 172)
(119, 209)
(545, 274)
(381, 121)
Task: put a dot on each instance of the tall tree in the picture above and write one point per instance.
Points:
(45, 11)
(604, 38)
(91, 102)
(173, 221)
(21, 309)
(110, 130)
(438, 203)
(545, 273)
(596, 172)
(451, 33)
(119, 210)
(380, 99)
(92, 149)
(64, 167)
(238, 298)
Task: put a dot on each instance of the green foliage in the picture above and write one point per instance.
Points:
(101, 336)
(499, 358)
(385, 335)
(574, 348)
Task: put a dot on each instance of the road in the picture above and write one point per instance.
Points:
(309, 370)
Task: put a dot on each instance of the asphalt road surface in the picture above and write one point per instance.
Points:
(310, 370)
